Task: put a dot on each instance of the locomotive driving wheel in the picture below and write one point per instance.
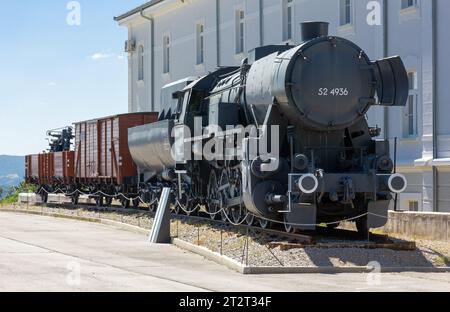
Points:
(288, 226)
(184, 204)
(231, 194)
(225, 195)
(238, 212)
(213, 199)
(152, 202)
(249, 219)
(263, 223)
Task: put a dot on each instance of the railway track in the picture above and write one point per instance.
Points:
(322, 238)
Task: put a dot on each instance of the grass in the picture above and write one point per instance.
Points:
(12, 195)
(443, 260)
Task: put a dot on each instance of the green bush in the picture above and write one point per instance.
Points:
(12, 196)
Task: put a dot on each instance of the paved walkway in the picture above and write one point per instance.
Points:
(48, 254)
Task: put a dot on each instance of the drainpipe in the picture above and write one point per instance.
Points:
(385, 54)
(261, 22)
(152, 57)
(218, 32)
(435, 107)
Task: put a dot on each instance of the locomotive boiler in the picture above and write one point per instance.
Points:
(322, 162)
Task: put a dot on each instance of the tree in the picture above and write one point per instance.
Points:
(1, 191)
(11, 191)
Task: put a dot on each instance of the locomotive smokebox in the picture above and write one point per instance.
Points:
(312, 30)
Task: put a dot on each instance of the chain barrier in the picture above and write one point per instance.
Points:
(211, 214)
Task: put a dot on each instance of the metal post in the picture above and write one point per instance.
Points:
(395, 171)
(247, 245)
(161, 225)
(221, 241)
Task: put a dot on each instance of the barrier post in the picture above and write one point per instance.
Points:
(160, 233)
(221, 241)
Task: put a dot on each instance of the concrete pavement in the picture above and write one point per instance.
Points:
(47, 254)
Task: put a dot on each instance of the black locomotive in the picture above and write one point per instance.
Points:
(308, 102)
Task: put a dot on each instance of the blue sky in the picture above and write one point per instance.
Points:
(52, 74)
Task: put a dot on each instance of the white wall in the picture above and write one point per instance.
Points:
(409, 36)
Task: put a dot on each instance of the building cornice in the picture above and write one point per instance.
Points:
(137, 10)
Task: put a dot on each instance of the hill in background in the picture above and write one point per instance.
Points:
(12, 170)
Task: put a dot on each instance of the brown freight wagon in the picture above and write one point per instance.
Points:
(64, 166)
(50, 169)
(32, 169)
(102, 156)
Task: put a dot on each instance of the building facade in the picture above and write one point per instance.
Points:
(172, 39)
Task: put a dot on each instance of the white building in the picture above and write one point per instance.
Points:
(173, 39)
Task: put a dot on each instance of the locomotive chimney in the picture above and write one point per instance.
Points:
(312, 30)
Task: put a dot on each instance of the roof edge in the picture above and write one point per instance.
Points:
(137, 10)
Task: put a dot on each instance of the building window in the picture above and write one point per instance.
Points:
(166, 54)
(411, 108)
(141, 63)
(413, 205)
(346, 12)
(408, 4)
(200, 44)
(288, 19)
(240, 31)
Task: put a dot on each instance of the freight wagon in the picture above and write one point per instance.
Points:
(100, 166)
(51, 171)
(103, 164)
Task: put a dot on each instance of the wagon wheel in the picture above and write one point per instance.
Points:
(44, 195)
(108, 201)
(136, 202)
(74, 199)
(99, 201)
(124, 202)
(186, 201)
(213, 197)
(152, 204)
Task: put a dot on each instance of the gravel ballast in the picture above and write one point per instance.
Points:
(232, 243)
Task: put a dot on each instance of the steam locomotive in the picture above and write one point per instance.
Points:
(283, 138)
(310, 102)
